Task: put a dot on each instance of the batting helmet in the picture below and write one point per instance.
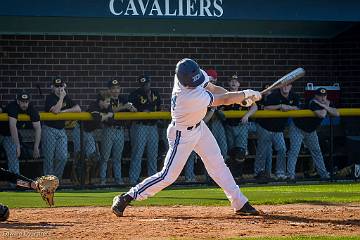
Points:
(189, 73)
(4, 212)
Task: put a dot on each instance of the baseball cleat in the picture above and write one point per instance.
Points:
(247, 210)
(120, 202)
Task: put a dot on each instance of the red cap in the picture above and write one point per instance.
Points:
(212, 73)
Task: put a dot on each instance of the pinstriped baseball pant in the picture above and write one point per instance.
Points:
(265, 139)
(218, 131)
(10, 149)
(237, 136)
(112, 145)
(75, 132)
(89, 141)
(182, 142)
(189, 167)
(54, 147)
(297, 136)
(143, 136)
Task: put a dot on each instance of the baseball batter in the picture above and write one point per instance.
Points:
(192, 94)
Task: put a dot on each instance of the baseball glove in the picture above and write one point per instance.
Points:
(46, 186)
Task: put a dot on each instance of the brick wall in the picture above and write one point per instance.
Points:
(347, 65)
(88, 62)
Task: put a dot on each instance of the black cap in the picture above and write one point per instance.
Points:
(321, 92)
(143, 79)
(58, 82)
(113, 83)
(24, 96)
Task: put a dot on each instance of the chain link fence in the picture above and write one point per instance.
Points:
(127, 153)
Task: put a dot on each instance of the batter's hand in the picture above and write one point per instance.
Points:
(62, 92)
(130, 107)
(18, 151)
(254, 95)
(248, 102)
(244, 119)
(36, 153)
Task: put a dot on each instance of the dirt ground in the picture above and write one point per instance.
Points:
(181, 222)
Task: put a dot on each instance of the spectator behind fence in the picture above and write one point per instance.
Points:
(144, 133)
(54, 138)
(237, 131)
(304, 130)
(9, 135)
(112, 143)
(268, 155)
(101, 112)
(270, 131)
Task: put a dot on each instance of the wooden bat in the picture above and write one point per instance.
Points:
(285, 80)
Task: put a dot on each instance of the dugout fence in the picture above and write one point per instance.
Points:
(110, 156)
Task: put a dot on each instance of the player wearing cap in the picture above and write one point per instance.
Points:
(9, 135)
(101, 112)
(267, 173)
(112, 143)
(237, 131)
(270, 130)
(192, 94)
(54, 138)
(304, 130)
(144, 133)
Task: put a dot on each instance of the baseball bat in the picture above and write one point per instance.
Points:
(285, 80)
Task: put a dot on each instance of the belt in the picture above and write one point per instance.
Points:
(191, 127)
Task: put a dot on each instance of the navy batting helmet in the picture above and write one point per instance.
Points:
(189, 73)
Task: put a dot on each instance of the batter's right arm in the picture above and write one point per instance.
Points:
(229, 98)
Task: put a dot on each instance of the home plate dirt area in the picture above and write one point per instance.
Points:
(181, 222)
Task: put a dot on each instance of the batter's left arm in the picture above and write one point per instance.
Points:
(229, 98)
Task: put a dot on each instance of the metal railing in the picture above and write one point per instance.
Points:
(114, 155)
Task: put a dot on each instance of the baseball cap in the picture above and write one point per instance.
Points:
(24, 96)
(113, 83)
(235, 76)
(58, 82)
(143, 79)
(211, 73)
(321, 91)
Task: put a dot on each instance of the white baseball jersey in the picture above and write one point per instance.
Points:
(189, 106)
(186, 133)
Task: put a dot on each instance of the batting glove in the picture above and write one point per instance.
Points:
(247, 102)
(254, 95)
